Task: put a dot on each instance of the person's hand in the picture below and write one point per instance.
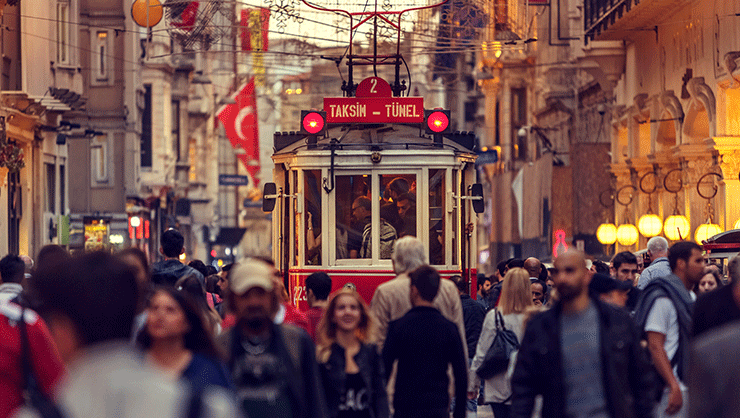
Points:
(537, 302)
(472, 395)
(675, 400)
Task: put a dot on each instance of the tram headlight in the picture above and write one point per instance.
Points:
(313, 122)
(437, 121)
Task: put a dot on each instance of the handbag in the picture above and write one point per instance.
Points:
(500, 352)
(33, 396)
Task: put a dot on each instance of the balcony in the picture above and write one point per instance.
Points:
(609, 20)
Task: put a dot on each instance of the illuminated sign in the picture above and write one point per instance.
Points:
(374, 104)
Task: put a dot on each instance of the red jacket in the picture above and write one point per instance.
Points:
(46, 362)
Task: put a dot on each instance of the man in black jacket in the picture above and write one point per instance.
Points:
(168, 271)
(425, 343)
(583, 356)
(473, 316)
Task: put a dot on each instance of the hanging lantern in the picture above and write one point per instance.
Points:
(650, 225)
(627, 235)
(676, 228)
(607, 234)
(706, 231)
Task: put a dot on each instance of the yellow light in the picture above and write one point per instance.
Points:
(607, 234)
(289, 91)
(497, 54)
(437, 122)
(650, 225)
(298, 91)
(135, 221)
(706, 231)
(312, 123)
(182, 257)
(737, 225)
(627, 235)
(676, 228)
(139, 12)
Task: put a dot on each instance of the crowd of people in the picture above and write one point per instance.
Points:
(99, 335)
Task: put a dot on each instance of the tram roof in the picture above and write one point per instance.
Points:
(376, 137)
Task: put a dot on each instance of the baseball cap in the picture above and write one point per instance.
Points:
(250, 273)
(601, 283)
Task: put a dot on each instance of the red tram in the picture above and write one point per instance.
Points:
(344, 191)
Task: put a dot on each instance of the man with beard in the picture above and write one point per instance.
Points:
(583, 356)
(273, 365)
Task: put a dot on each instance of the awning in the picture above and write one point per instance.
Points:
(230, 237)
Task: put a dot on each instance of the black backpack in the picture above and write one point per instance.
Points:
(499, 353)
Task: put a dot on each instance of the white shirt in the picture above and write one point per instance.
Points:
(663, 319)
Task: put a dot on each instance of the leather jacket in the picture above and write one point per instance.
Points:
(371, 369)
(625, 367)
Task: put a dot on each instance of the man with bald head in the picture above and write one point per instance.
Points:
(563, 352)
(533, 267)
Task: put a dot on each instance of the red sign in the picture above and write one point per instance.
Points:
(374, 109)
(373, 87)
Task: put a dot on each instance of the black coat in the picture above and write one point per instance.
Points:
(334, 378)
(715, 308)
(627, 375)
(473, 316)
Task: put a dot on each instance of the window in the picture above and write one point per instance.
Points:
(350, 222)
(62, 190)
(312, 206)
(437, 217)
(100, 55)
(176, 129)
(63, 32)
(518, 119)
(51, 188)
(146, 128)
(99, 159)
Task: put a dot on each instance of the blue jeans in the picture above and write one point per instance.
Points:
(472, 404)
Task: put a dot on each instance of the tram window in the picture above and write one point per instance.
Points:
(312, 208)
(455, 220)
(350, 223)
(397, 210)
(437, 217)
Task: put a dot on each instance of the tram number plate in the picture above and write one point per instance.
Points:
(374, 109)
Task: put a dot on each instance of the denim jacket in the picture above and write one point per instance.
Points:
(371, 369)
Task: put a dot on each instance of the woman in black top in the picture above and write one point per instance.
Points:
(351, 367)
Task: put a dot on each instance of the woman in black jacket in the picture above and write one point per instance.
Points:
(351, 367)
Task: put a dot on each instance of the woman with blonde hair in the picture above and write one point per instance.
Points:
(516, 299)
(351, 367)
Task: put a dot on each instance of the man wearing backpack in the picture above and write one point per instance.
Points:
(582, 355)
(664, 314)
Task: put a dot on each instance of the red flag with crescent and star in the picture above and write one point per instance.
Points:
(240, 122)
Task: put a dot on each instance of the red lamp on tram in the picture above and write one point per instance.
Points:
(313, 122)
(437, 121)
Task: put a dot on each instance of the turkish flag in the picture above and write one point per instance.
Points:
(240, 122)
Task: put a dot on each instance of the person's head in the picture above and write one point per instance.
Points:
(516, 292)
(550, 282)
(538, 288)
(515, 263)
(223, 282)
(251, 295)
(733, 271)
(624, 267)
(212, 284)
(406, 202)
(484, 285)
(601, 267)
(136, 258)
(88, 300)
(210, 270)
(28, 262)
(52, 254)
(657, 247)
(172, 243)
(199, 266)
(172, 314)
(709, 281)
(686, 261)
(533, 267)
(609, 290)
(425, 283)
(397, 187)
(190, 285)
(571, 277)
(462, 285)
(12, 269)
(345, 312)
(361, 208)
(408, 254)
(318, 287)
(501, 270)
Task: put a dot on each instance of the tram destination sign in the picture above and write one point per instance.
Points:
(374, 109)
